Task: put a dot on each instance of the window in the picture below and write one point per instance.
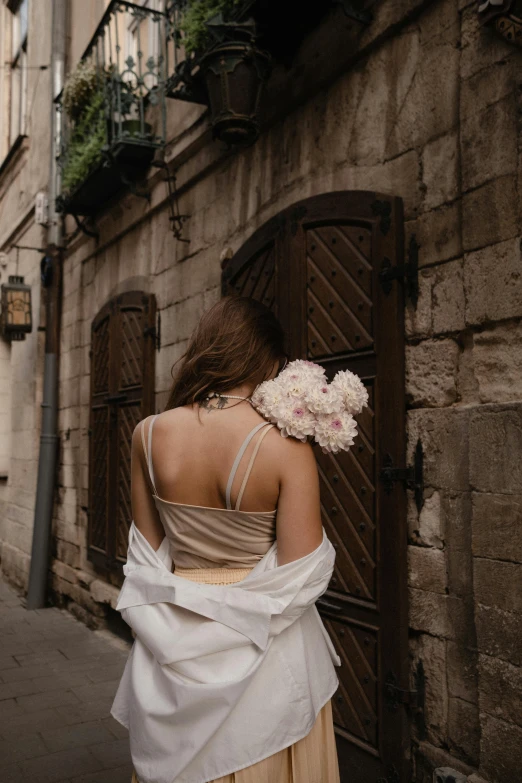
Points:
(18, 70)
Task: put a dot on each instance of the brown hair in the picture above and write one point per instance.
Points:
(236, 341)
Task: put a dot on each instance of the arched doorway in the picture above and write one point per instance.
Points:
(122, 393)
(318, 264)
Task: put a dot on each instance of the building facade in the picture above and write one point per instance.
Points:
(379, 213)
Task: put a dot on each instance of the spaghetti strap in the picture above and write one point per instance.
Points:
(238, 459)
(249, 468)
(148, 451)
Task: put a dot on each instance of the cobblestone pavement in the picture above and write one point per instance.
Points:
(57, 682)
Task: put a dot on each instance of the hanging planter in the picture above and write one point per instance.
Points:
(234, 75)
(223, 66)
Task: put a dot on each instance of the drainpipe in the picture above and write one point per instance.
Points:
(47, 460)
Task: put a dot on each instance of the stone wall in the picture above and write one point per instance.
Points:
(21, 363)
(429, 112)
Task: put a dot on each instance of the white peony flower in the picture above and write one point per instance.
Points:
(302, 403)
(335, 431)
(267, 396)
(352, 391)
(322, 397)
(294, 419)
(301, 368)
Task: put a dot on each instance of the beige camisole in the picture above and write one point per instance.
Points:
(204, 537)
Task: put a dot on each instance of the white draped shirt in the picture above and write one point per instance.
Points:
(221, 677)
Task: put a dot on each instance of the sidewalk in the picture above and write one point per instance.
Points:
(57, 682)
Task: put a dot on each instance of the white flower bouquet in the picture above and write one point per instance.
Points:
(303, 404)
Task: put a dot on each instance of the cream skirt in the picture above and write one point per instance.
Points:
(312, 759)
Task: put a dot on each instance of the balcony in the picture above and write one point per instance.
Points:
(112, 109)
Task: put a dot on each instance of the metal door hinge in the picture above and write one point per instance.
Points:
(408, 272)
(395, 696)
(154, 332)
(412, 477)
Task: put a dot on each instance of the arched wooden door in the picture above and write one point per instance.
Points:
(122, 393)
(317, 264)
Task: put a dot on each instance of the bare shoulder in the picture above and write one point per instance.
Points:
(289, 452)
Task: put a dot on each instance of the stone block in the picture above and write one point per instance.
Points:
(480, 47)
(418, 320)
(425, 528)
(431, 371)
(431, 651)
(104, 593)
(495, 441)
(481, 159)
(489, 85)
(500, 755)
(65, 572)
(440, 170)
(427, 569)
(498, 634)
(497, 360)
(448, 304)
(438, 233)
(497, 526)
(498, 584)
(462, 671)
(456, 526)
(428, 757)
(68, 553)
(464, 730)
(429, 107)
(179, 321)
(444, 437)
(500, 689)
(490, 213)
(429, 612)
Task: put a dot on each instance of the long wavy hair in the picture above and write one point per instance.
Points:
(237, 341)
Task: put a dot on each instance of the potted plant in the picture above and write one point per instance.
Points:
(234, 69)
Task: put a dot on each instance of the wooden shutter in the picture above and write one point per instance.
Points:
(327, 254)
(122, 393)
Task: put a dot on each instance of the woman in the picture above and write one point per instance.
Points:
(213, 487)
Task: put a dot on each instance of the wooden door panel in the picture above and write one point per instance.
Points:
(356, 702)
(325, 255)
(122, 389)
(256, 278)
(128, 418)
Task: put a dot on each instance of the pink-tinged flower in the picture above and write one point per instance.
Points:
(323, 398)
(335, 432)
(352, 391)
(301, 368)
(302, 403)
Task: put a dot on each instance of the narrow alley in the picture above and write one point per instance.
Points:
(57, 681)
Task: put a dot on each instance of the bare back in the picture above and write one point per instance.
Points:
(193, 451)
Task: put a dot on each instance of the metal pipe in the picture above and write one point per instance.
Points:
(47, 461)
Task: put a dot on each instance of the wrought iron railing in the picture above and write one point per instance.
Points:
(112, 113)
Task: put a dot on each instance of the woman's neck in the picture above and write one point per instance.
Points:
(244, 390)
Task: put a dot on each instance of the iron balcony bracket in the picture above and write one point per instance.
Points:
(412, 477)
(408, 272)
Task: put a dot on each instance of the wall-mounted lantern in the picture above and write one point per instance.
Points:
(15, 317)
